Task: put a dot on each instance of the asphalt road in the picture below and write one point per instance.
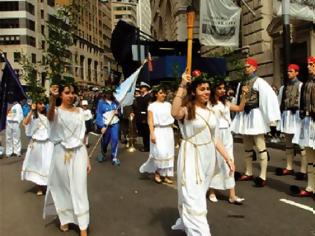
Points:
(124, 203)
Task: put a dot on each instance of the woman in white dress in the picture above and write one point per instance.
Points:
(39, 151)
(67, 183)
(161, 157)
(197, 154)
(222, 107)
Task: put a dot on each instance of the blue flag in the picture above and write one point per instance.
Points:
(10, 89)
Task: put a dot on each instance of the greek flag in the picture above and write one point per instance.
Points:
(10, 89)
(124, 93)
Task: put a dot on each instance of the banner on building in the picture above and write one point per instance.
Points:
(299, 9)
(219, 23)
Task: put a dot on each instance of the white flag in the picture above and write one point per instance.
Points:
(124, 93)
(299, 9)
(219, 23)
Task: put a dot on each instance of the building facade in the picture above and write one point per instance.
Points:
(92, 59)
(260, 34)
(144, 16)
(22, 31)
(125, 10)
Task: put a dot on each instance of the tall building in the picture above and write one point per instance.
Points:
(22, 31)
(91, 52)
(144, 16)
(125, 10)
(260, 37)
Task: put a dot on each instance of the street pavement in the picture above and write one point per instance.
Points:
(125, 203)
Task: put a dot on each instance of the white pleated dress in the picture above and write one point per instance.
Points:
(195, 168)
(161, 157)
(222, 180)
(39, 151)
(67, 183)
(258, 120)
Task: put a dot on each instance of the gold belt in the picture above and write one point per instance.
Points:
(197, 160)
(68, 155)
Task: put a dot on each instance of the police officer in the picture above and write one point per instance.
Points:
(140, 109)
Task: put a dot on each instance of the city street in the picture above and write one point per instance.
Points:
(124, 203)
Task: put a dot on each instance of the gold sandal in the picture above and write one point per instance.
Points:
(64, 228)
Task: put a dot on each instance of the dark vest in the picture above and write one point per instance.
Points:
(253, 96)
(290, 96)
(307, 106)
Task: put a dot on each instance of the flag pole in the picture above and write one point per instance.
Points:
(190, 14)
(110, 121)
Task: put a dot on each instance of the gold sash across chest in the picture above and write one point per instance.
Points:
(187, 140)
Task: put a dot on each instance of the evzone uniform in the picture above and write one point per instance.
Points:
(13, 131)
(261, 110)
(289, 100)
(39, 151)
(305, 135)
(161, 157)
(195, 166)
(67, 182)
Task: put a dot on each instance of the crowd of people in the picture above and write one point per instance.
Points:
(58, 163)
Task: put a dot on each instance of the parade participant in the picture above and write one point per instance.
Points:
(140, 109)
(160, 120)
(88, 117)
(305, 135)
(39, 151)
(107, 108)
(289, 100)
(260, 111)
(67, 182)
(222, 107)
(1, 148)
(197, 154)
(13, 131)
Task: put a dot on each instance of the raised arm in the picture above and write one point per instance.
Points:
(240, 107)
(54, 92)
(178, 110)
(28, 118)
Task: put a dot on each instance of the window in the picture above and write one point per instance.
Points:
(30, 24)
(30, 8)
(42, 15)
(9, 6)
(33, 58)
(17, 56)
(43, 44)
(51, 3)
(43, 29)
(9, 23)
(9, 40)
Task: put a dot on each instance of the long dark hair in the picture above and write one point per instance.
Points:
(155, 92)
(62, 88)
(190, 99)
(214, 87)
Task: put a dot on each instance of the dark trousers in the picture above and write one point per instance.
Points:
(144, 132)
